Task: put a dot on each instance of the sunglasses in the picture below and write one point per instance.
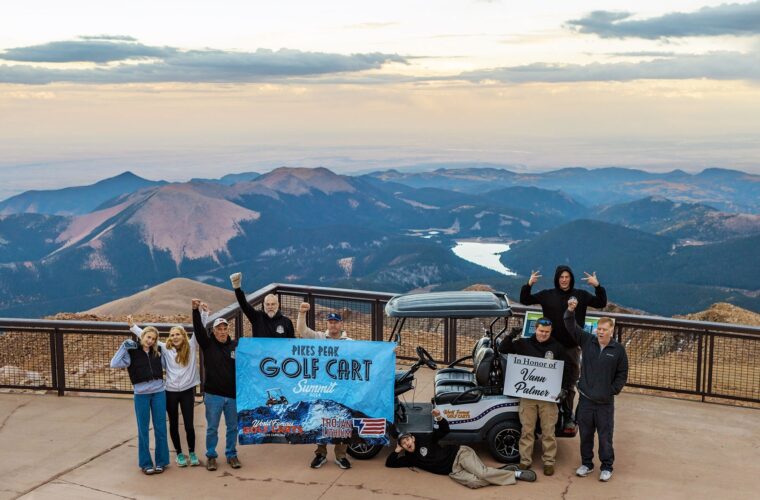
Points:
(544, 322)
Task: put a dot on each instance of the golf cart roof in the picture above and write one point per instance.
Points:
(449, 305)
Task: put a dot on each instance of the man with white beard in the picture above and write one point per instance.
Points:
(269, 323)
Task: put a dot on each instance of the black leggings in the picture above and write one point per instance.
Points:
(186, 401)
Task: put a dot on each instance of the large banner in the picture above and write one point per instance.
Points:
(529, 325)
(533, 378)
(314, 391)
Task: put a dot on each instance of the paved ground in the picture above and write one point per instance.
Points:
(85, 447)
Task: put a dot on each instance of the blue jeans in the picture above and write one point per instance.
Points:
(147, 405)
(215, 406)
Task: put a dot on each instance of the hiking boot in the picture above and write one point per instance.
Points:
(318, 461)
(525, 475)
(181, 460)
(548, 470)
(234, 462)
(605, 475)
(583, 471)
(343, 463)
(194, 459)
(211, 463)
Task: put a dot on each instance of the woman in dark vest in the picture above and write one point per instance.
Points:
(146, 372)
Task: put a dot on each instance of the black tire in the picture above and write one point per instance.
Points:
(504, 442)
(362, 451)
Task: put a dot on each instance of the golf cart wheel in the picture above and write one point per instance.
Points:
(363, 451)
(504, 442)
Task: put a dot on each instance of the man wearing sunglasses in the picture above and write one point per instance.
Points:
(541, 345)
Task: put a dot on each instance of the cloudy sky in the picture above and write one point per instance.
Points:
(176, 89)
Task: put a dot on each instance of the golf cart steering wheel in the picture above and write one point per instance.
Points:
(426, 358)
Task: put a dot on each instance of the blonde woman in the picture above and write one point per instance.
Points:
(181, 353)
(145, 364)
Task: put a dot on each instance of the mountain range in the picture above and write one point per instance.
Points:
(382, 231)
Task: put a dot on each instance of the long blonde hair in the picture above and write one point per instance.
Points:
(154, 348)
(183, 351)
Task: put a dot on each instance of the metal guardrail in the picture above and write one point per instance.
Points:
(702, 360)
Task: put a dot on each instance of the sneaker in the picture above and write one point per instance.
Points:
(181, 460)
(159, 469)
(234, 462)
(211, 463)
(605, 475)
(583, 471)
(318, 461)
(548, 470)
(343, 463)
(193, 459)
(512, 467)
(524, 466)
(148, 471)
(525, 475)
(570, 427)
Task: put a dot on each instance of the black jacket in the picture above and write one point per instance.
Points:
(603, 372)
(218, 360)
(428, 454)
(278, 327)
(553, 303)
(532, 347)
(144, 367)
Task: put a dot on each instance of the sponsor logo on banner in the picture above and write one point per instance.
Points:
(370, 426)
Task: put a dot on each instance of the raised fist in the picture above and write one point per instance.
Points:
(235, 279)
(304, 307)
(572, 303)
(196, 303)
(130, 321)
(205, 308)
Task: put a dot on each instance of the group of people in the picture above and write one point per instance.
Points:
(597, 362)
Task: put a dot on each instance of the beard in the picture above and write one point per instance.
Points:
(271, 314)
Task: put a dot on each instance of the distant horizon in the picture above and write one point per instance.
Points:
(85, 180)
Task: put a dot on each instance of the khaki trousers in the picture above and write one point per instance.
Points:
(471, 472)
(530, 410)
(339, 450)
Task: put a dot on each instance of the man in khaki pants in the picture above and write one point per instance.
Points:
(541, 345)
(460, 463)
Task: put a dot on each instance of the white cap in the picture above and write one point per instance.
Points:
(219, 321)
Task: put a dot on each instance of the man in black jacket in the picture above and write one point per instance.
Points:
(553, 303)
(268, 323)
(218, 386)
(543, 346)
(460, 463)
(603, 375)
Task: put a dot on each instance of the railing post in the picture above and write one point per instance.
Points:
(377, 321)
(311, 316)
(239, 325)
(53, 361)
(60, 362)
(710, 358)
(700, 372)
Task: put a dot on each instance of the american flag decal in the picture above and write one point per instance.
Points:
(370, 426)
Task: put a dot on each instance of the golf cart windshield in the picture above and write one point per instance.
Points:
(449, 305)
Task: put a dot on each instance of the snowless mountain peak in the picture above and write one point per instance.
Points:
(301, 181)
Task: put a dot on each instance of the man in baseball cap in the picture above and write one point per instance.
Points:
(219, 386)
(334, 331)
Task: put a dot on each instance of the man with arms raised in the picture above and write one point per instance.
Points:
(603, 375)
(335, 332)
(269, 323)
(553, 303)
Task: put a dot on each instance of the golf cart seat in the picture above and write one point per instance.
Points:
(454, 375)
(449, 393)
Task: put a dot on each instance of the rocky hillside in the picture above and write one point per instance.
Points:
(725, 313)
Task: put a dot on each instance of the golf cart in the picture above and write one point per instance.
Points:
(275, 397)
(471, 399)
